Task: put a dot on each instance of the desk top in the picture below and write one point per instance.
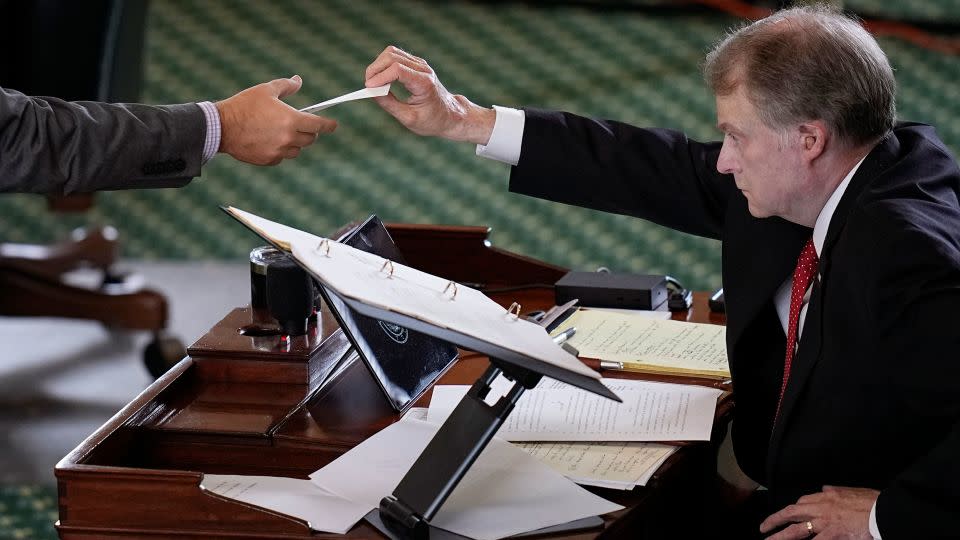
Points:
(238, 404)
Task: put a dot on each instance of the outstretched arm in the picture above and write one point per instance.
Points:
(48, 145)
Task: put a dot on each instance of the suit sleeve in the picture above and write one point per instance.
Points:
(48, 145)
(917, 303)
(654, 174)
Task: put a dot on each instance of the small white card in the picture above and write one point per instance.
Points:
(359, 94)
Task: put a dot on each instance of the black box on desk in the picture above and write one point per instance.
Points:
(602, 289)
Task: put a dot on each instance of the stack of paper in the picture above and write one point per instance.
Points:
(597, 442)
(614, 465)
(648, 345)
(554, 411)
(505, 492)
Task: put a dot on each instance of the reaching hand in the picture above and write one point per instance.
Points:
(430, 109)
(260, 129)
(836, 512)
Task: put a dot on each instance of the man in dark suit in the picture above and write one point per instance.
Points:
(55, 146)
(841, 259)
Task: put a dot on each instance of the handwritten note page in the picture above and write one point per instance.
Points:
(554, 411)
(322, 510)
(660, 345)
(617, 465)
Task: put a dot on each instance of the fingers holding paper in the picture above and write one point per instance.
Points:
(259, 128)
(431, 109)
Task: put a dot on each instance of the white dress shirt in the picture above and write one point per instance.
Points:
(505, 144)
(211, 142)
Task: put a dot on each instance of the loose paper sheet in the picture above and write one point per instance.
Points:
(322, 510)
(359, 94)
(505, 492)
(650, 314)
(614, 465)
(661, 345)
(618, 465)
(554, 411)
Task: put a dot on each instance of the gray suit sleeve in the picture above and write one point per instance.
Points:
(48, 145)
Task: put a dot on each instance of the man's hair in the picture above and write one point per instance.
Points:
(809, 63)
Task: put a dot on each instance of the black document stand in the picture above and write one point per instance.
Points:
(406, 514)
(450, 454)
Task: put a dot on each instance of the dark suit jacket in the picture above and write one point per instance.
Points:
(49, 145)
(873, 398)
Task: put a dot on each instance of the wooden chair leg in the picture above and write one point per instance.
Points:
(38, 296)
(94, 247)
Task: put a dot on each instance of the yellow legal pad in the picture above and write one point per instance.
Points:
(650, 345)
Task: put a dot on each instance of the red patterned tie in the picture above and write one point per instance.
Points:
(806, 268)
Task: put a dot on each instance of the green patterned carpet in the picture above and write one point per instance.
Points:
(27, 512)
(640, 66)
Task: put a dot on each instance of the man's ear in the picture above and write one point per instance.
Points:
(813, 139)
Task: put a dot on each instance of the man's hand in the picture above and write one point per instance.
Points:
(430, 109)
(836, 512)
(260, 129)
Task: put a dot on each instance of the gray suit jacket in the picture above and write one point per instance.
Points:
(48, 145)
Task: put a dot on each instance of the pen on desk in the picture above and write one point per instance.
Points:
(601, 365)
(565, 335)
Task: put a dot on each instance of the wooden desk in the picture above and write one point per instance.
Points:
(240, 405)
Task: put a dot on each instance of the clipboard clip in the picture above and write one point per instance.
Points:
(553, 317)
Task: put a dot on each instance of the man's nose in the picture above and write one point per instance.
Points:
(726, 164)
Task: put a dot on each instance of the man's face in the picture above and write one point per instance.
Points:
(765, 163)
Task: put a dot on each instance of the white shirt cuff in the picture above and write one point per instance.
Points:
(874, 530)
(211, 143)
(506, 138)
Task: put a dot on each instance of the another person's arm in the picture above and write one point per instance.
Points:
(48, 145)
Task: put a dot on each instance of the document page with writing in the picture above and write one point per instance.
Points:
(643, 343)
(554, 411)
(322, 510)
(616, 465)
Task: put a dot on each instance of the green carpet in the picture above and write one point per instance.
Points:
(27, 512)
